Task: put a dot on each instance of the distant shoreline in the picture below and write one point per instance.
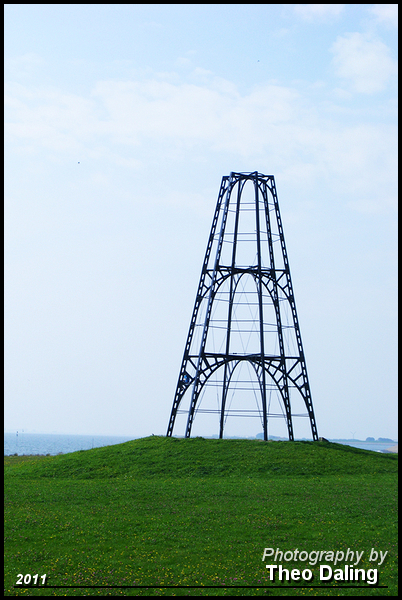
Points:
(33, 444)
(392, 449)
(379, 440)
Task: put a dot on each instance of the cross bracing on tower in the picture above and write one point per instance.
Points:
(243, 357)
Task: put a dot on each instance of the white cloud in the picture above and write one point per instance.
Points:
(129, 113)
(122, 121)
(48, 118)
(386, 13)
(364, 63)
(312, 12)
(23, 67)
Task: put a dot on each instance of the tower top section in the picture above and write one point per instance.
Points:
(249, 175)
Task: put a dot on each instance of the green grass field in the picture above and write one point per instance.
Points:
(197, 512)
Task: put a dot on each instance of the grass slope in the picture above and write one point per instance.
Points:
(165, 511)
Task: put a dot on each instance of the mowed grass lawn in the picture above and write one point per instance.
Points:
(196, 512)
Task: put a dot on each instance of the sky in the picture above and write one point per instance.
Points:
(120, 122)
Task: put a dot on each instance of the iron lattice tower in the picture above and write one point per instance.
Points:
(244, 336)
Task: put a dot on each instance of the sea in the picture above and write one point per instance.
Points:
(52, 444)
(48, 443)
(373, 446)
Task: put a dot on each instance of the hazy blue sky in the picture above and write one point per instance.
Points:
(120, 122)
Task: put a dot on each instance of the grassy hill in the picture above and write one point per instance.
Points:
(165, 511)
(194, 457)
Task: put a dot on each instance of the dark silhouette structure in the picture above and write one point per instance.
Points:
(244, 337)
